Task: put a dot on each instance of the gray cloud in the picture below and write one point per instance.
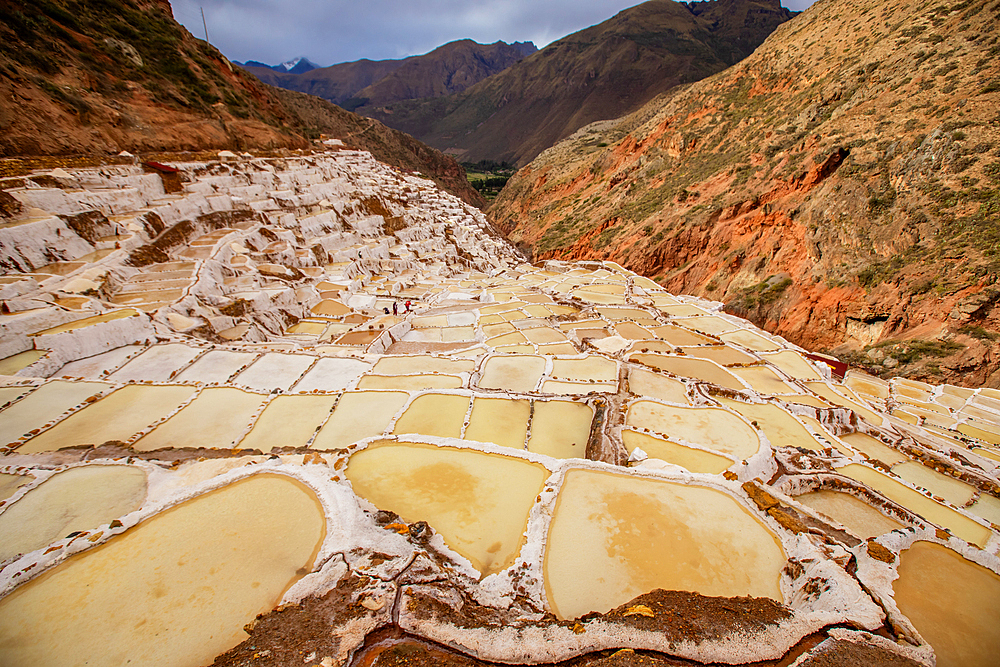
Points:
(334, 31)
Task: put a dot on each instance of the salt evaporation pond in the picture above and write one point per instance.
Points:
(858, 516)
(177, 589)
(77, 499)
(953, 603)
(478, 502)
(960, 525)
(560, 429)
(713, 428)
(694, 460)
(501, 421)
(118, 416)
(614, 537)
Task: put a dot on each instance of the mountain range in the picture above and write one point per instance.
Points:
(598, 73)
(840, 186)
(299, 65)
(448, 69)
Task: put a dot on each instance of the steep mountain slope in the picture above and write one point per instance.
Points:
(448, 69)
(841, 186)
(106, 75)
(602, 72)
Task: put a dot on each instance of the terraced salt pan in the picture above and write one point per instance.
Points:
(979, 433)
(959, 525)
(699, 369)
(289, 421)
(956, 492)
(720, 354)
(306, 328)
(781, 428)
(709, 324)
(592, 367)
(410, 382)
(750, 340)
(614, 537)
(648, 383)
(712, 428)
(158, 363)
(683, 310)
(441, 415)
(421, 364)
(679, 336)
(478, 502)
(274, 370)
(359, 415)
(553, 349)
(598, 297)
(560, 429)
(763, 380)
(95, 366)
(330, 308)
(858, 516)
(793, 364)
(215, 366)
(694, 460)
(633, 331)
(216, 418)
(193, 576)
(90, 321)
(10, 394)
(118, 416)
(9, 484)
(866, 384)
(826, 392)
(331, 374)
(805, 399)
(74, 500)
(952, 602)
(987, 507)
(825, 435)
(501, 421)
(43, 405)
(17, 362)
(519, 373)
(577, 388)
(543, 335)
(874, 448)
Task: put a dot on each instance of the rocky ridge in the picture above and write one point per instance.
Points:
(838, 187)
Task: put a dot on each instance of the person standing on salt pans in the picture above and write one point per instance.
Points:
(395, 308)
(407, 306)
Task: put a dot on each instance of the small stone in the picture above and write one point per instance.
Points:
(420, 530)
(639, 610)
(879, 552)
(373, 603)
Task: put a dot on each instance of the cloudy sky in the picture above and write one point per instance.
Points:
(335, 31)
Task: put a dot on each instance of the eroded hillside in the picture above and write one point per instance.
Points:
(841, 186)
(102, 76)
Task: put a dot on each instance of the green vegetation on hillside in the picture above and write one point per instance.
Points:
(488, 177)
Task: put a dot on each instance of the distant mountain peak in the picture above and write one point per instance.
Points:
(296, 65)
